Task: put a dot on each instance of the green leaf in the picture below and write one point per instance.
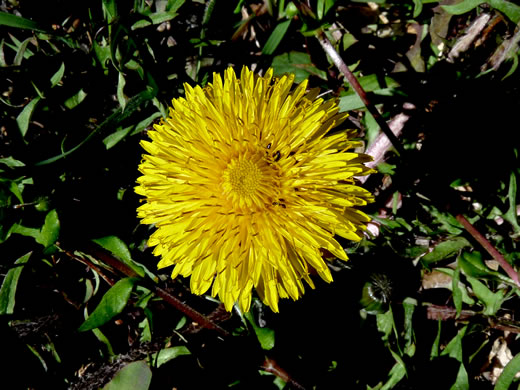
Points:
(462, 7)
(385, 323)
(111, 122)
(8, 289)
(445, 250)
(510, 216)
(112, 303)
(24, 118)
(265, 335)
(473, 265)
(118, 248)
(511, 10)
(461, 287)
(25, 231)
(409, 305)
(492, 301)
(276, 37)
(103, 339)
(113, 139)
(133, 376)
(109, 10)
(508, 375)
(323, 7)
(121, 98)
(298, 63)
(457, 293)
(454, 347)
(11, 20)
(145, 123)
(21, 53)
(417, 8)
(50, 230)
(11, 162)
(73, 101)
(461, 382)
(167, 354)
(370, 83)
(56, 78)
(436, 343)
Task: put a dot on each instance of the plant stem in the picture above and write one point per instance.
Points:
(271, 366)
(354, 83)
(489, 248)
(115, 263)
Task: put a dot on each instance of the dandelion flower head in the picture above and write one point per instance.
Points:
(246, 184)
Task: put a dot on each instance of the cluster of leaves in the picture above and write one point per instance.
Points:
(81, 304)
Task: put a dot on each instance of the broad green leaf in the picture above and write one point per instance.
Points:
(174, 5)
(56, 78)
(454, 347)
(323, 7)
(112, 303)
(73, 101)
(50, 230)
(113, 139)
(155, 18)
(25, 231)
(24, 118)
(118, 248)
(167, 354)
(462, 381)
(417, 8)
(298, 63)
(447, 221)
(276, 37)
(397, 372)
(385, 323)
(11, 162)
(461, 287)
(445, 250)
(8, 289)
(473, 265)
(370, 83)
(462, 7)
(102, 51)
(10, 20)
(145, 123)
(109, 10)
(133, 376)
(511, 10)
(508, 375)
(265, 335)
(492, 301)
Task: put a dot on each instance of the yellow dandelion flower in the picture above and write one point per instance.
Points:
(245, 185)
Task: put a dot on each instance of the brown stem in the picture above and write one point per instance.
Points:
(190, 312)
(354, 83)
(489, 248)
(271, 366)
(92, 266)
(195, 316)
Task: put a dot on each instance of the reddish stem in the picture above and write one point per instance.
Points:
(510, 271)
(354, 83)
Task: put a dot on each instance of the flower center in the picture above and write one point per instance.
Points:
(244, 177)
